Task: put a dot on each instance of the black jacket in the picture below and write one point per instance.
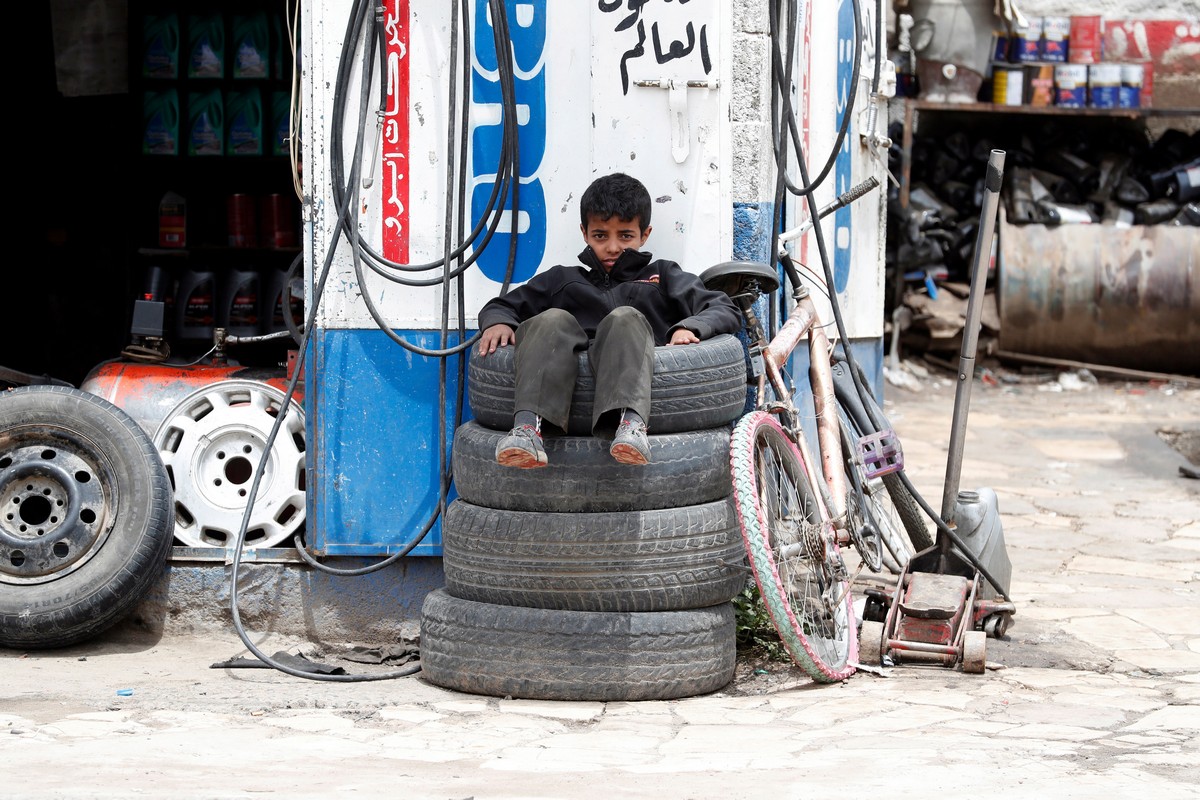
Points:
(668, 297)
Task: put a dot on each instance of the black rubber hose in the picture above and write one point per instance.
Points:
(781, 86)
(374, 260)
(509, 168)
(259, 471)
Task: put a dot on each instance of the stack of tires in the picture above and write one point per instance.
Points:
(589, 579)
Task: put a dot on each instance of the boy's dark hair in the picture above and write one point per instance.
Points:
(616, 195)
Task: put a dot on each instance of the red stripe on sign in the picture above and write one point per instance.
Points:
(394, 149)
(805, 101)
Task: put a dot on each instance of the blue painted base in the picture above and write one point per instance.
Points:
(378, 441)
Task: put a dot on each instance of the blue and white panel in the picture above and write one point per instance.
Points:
(602, 86)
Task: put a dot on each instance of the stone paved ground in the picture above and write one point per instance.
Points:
(1094, 694)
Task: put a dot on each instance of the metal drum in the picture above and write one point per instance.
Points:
(148, 392)
(1122, 297)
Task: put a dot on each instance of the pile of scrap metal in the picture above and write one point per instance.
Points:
(1095, 232)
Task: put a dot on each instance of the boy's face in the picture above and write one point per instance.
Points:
(610, 237)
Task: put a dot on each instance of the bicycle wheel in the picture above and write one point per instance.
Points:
(888, 493)
(796, 562)
(878, 507)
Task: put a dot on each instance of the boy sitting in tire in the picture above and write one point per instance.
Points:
(619, 306)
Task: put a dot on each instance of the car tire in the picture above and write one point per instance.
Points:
(539, 654)
(685, 469)
(656, 560)
(694, 387)
(87, 520)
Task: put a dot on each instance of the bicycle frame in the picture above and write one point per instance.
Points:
(805, 320)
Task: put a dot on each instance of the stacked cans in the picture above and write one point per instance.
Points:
(267, 221)
(1062, 64)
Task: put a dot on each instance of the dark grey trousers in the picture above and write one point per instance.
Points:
(547, 362)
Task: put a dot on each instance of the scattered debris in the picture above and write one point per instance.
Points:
(1077, 381)
(297, 662)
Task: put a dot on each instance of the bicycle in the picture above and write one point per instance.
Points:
(795, 518)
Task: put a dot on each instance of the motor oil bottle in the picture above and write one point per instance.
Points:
(206, 46)
(276, 282)
(160, 123)
(245, 128)
(280, 46)
(251, 46)
(277, 221)
(239, 311)
(280, 123)
(206, 123)
(195, 306)
(154, 307)
(172, 221)
(160, 46)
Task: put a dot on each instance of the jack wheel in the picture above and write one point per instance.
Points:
(870, 644)
(974, 658)
(996, 625)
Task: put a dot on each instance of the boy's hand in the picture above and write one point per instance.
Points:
(498, 335)
(683, 336)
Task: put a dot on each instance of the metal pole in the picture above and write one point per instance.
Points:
(970, 340)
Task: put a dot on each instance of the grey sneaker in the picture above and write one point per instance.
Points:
(522, 448)
(631, 445)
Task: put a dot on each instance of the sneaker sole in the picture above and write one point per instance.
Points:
(517, 457)
(628, 454)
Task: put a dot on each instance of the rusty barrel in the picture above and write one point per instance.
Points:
(1121, 297)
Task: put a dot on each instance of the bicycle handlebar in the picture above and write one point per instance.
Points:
(844, 199)
(853, 193)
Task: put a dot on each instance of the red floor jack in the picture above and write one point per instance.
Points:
(950, 597)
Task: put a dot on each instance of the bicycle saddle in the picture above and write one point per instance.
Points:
(729, 276)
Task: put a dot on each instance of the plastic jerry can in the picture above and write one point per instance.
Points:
(239, 312)
(978, 516)
(206, 123)
(195, 306)
(206, 46)
(160, 46)
(244, 135)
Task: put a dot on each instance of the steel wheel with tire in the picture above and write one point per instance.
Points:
(539, 654)
(665, 559)
(801, 576)
(86, 518)
(693, 387)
